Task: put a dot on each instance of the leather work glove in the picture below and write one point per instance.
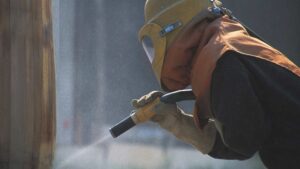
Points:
(171, 118)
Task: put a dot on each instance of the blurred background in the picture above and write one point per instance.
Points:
(101, 66)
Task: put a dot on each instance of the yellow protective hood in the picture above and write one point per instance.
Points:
(164, 20)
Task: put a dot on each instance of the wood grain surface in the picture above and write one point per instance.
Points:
(27, 85)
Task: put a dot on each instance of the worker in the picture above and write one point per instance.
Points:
(247, 92)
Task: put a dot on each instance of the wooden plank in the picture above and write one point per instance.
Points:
(4, 83)
(18, 84)
(27, 107)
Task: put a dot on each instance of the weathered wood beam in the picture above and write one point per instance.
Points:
(27, 85)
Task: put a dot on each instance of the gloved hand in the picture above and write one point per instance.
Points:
(171, 118)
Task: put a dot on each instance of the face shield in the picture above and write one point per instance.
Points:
(149, 48)
(154, 45)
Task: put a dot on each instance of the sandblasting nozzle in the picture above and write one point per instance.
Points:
(145, 113)
(122, 127)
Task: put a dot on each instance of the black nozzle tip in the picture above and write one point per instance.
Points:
(122, 127)
(112, 133)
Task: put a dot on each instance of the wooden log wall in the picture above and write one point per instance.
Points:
(27, 85)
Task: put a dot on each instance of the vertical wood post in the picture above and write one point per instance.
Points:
(27, 85)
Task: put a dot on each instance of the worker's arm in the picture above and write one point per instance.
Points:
(240, 119)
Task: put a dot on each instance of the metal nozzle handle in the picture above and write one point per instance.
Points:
(129, 122)
(122, 127)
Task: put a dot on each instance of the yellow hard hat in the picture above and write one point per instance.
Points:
(164, 19)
